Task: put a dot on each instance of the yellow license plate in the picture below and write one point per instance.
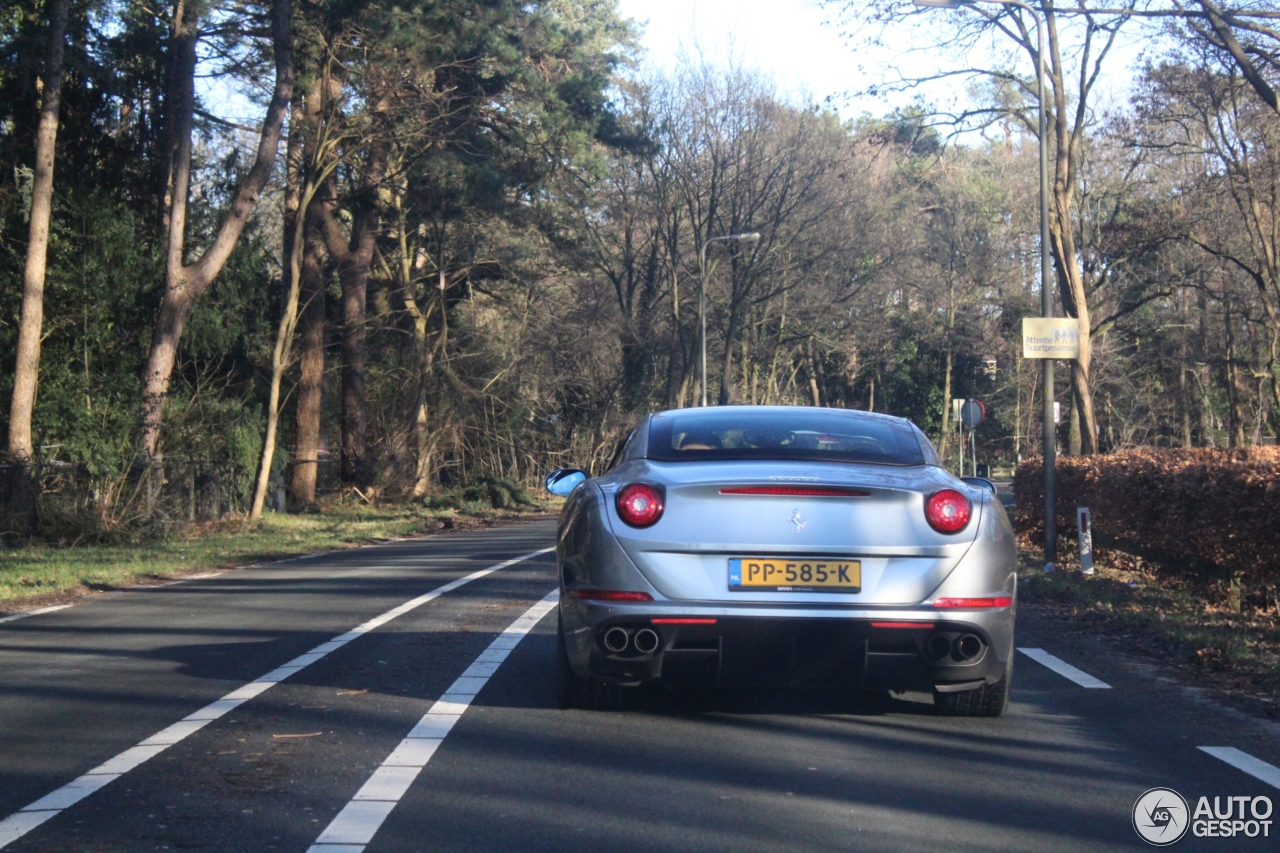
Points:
(756, 574)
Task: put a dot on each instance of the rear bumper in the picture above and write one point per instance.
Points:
(814, 647)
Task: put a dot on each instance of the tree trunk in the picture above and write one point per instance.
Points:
(1235, 421)
(946, 408)
(22, 484)
(185, 283)
(1184, 401)
(354, 257)
(1071, 284)
(354, 275)
(1073, 424)
(284, 345)
(27, 369)
(811, 367)
(423, 362)
(421, 430)
(726, 376)
(1184, 393)
(308, 409)
(311, 370)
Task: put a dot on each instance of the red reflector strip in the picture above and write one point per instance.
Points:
(901, 624)
(683, 621)
(797, 491)
(1000, 601)
(608, 595)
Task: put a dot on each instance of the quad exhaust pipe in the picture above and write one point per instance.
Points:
(616, 640)
(645, 641)
(966, 647)
(939, 646)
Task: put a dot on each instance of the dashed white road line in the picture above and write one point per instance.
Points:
(20, 823)
(24, 614)
(359, 821)
(1255, 767)
(1065, 669)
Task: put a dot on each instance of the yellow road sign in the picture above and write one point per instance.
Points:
(1050, 337)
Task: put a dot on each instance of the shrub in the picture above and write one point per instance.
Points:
(498, 492)
(1211, 514)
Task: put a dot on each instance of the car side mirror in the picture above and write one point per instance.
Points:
(981, 483)
(563, 481)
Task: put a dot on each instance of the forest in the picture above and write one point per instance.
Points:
(463, 242)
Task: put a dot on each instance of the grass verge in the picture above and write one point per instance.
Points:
(44, 573)
(1160, 617)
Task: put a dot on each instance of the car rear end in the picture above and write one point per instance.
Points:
(792, 566)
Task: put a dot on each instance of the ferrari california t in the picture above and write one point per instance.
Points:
(784, 546)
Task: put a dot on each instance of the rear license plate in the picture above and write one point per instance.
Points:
(764, 574)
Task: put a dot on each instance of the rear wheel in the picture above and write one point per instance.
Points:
(989, 700)
(569, 685)
(576, 691)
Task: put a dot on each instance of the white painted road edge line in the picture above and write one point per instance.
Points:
(1255, 767)
(362, 817)
(1065, 669)
(20, 823)
(24, 614)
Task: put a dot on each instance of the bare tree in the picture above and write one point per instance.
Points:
(1204, 113)
(186, 282)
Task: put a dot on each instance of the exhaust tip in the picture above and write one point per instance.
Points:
(939, 646)
(647, 641)
(968, 647)
(615, 640)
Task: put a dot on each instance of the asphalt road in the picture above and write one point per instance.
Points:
(322, 752)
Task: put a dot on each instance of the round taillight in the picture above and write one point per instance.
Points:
(948, 511)
(640, 504)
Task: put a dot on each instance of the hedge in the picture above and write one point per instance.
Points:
(1207, 512)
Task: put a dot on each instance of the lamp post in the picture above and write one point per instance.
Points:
(1046, 283)
(748, 237)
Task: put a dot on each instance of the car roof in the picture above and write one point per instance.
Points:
(799, 410)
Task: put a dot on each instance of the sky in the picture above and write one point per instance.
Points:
(790, 40)
(785, 38)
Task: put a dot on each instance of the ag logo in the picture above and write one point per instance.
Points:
(1161, 817)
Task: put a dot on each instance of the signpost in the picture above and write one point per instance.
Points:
(972, 413)
(1048, 338)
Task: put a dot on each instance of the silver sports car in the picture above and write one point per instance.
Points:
(761, 545)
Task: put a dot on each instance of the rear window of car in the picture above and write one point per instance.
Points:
(819, 435)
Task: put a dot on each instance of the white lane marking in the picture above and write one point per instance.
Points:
(21, 822)
(24, 614)
(18, 825)
(1065, 669)
(1255, 767)
(362, 817)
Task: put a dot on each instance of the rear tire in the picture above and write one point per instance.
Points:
(576, 691)
(989, 700)
(570, 687)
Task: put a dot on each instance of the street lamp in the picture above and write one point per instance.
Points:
(749, 237)
(1046, 284)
